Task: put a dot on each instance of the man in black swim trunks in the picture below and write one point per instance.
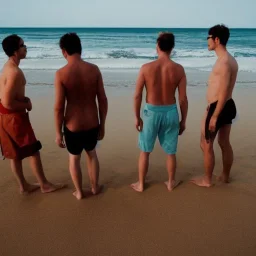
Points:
(77, 85)
(221, 108)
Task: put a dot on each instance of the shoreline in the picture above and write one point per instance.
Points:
(127, 78)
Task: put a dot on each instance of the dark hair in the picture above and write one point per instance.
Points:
(11, 44)
(71, 43)
(220, 31)
(166, 41)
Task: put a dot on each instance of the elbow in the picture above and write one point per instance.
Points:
(183, 101)
(58, 110)
(137, 97)
(103, 101)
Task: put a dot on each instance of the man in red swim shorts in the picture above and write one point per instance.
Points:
(17, 138)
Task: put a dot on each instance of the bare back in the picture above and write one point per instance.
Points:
(225, 68)
(12, 81)
(80, 82)
(162, 78)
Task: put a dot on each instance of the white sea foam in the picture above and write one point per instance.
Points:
(124, 50)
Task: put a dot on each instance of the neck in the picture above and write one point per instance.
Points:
(163, 56)
(73, 58)
(220, 50)
(15, 60)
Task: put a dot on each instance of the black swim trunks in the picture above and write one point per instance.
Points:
(226, 116)
(76, 142)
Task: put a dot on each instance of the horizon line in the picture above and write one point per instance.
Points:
(124, 27)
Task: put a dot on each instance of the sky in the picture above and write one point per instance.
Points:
(129, 13)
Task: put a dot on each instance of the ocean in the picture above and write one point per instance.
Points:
(129, 48)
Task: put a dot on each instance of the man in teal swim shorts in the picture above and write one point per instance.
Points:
(160, 115)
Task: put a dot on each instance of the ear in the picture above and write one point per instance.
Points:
(217, 40)
(15, 54)
(64, 52)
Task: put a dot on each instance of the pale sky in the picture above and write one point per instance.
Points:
(128, 13)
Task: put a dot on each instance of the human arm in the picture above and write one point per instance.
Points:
(138, 99)
(103, 105)
(59, 108)
(183, 101)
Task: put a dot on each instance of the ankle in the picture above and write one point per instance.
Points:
(171, 179)
(208, 179)
(94, 187)
(22, 188)
(141, 184)
(80, 192)
(225, 176)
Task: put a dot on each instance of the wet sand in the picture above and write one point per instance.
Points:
(188, 221)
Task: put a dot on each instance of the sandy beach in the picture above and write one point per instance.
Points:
(193, 221)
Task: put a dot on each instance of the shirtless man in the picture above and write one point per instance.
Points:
(221, 108)
(161, 78)
(17, 138)
(77, 85)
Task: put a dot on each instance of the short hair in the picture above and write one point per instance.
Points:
(11, 44)
(71, 43)
(220, 31)
(166, 41)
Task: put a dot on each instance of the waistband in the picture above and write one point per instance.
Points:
(160, 108)
(5, 111)
(227, 102)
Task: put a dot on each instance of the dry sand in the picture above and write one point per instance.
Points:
(188, 221)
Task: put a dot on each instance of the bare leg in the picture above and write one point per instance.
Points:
(93, 171)
(171, 168)
(76, 175)
(37, 168)
(143, 169)
(25, 187)
(209, 160)
(227, 152)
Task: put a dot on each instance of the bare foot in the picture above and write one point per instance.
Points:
(78, 195)
(137, 187)
(97, 190)
(172, 185)
(49, 187)
(223, 178)
(201, 182)
(29, 188)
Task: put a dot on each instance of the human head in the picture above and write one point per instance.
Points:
(13, 45)
(70, 44)
(165, 42)
(218, 35)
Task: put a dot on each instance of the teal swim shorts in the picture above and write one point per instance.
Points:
(161, 121)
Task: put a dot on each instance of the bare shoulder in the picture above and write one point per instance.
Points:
(147, 66)
(93, 69)
(62, 73)
(62, 70)
(90, 65)
(223, 64)
(178, 68)
(11, 71)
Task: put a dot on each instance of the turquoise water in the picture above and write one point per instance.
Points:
(130, 47)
